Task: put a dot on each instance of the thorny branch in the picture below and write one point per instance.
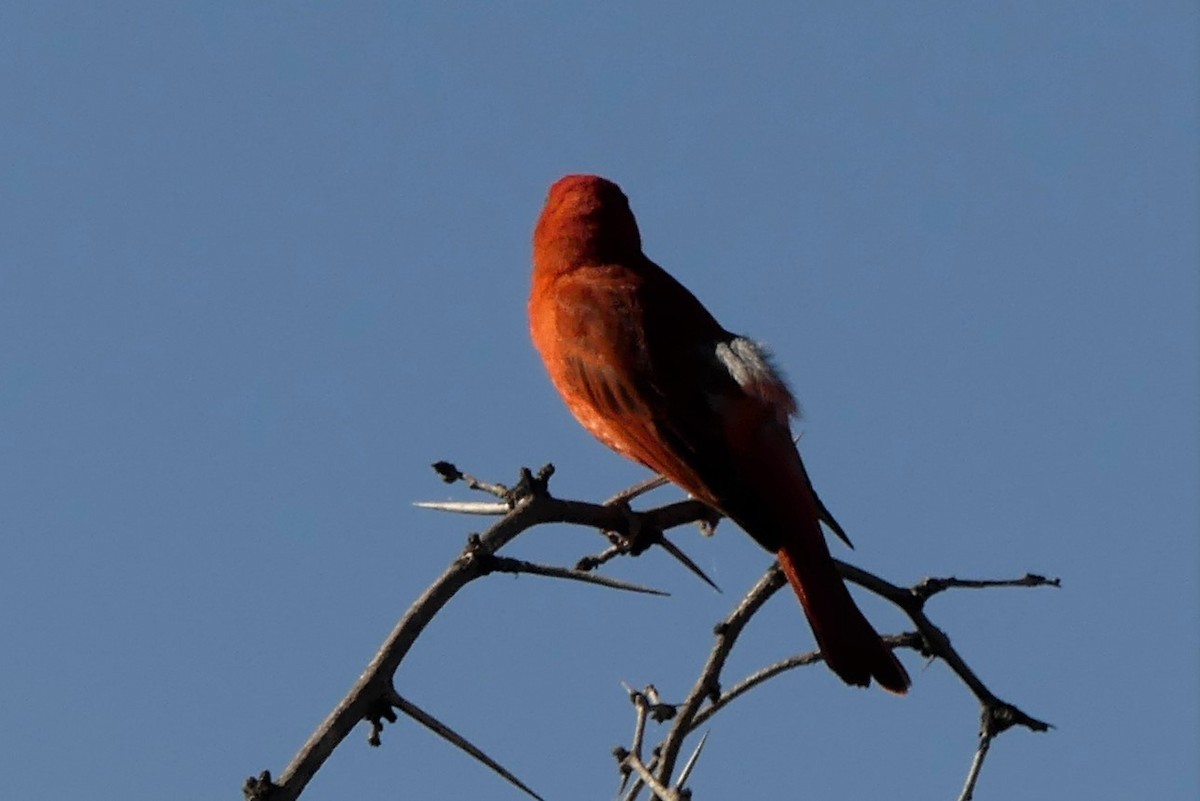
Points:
(706, 697)
(374, 698)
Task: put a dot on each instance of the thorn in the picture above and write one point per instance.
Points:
(686, 561)
(457, 740)
(465, 507)
(691, 763)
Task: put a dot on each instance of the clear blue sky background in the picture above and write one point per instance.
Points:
(262, 262)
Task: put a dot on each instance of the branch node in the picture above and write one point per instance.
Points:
(1000, 716)
(661, 713)
(260, 788)
(531, 485)
(379, 712)
(639, 533)
(475, 551)
(655, 707)
(589, 563)
(913, 641)
(447, 471)
(708, 524)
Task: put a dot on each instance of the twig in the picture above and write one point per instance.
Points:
(640, 488)
(649, 780)
(927, 588)
(968, 791)
(451, 474)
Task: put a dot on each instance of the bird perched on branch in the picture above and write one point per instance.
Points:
(647, 370)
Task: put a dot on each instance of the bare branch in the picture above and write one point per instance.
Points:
(642, 706)
(705, 698)
(707, 686)
(648, 779)
(374, 698)
(912, 601)
(927, 588)
(371, 696)
(968, 791)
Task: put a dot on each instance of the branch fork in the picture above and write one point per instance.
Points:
(528, 504)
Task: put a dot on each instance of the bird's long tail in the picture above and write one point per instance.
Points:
(850, 645)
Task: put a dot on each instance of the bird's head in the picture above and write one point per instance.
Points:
(586, 220)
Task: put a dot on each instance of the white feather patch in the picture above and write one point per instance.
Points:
(750, 365)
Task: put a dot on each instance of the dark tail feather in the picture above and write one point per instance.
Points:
(851, 647)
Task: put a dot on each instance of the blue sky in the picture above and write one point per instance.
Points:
(262, 262)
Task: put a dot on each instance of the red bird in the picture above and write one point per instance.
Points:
(645, 368)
